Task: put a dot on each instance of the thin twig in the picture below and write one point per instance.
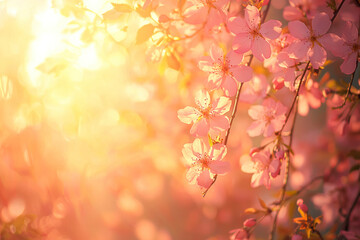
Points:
(337, 10)
(348, 215)
(349, 88)
(295, 98)
(319, 234)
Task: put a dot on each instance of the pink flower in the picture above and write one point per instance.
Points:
(250, 34)
(213, 12)
(310, 95)
(255, 89)
(262, 165)
(349, 49)
(269, 118)
(310, 41)
(225, 71)
(207, 116)
(239, 234)
(204, 162)
(287, 75)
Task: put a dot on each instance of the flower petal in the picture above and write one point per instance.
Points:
(188, 115)
(217, 152)
(229, 85)
(349, 64)
(256, 128)
(202, 99)
(271, 29)
(238, 25)
(242, 73)
(242, 43)
(261, 49)
(317, 56)
(219, 123)
(219, 167)
(299, 30)
(252, 17)
(320, 24)
(204, 179)
(216, 53)
(221, 105)
(200, 128)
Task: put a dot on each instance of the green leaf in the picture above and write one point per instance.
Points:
(123, 8)
(144, 33)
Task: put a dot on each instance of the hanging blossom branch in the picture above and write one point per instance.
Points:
(237, 98)
(287, 171)
(349, 87)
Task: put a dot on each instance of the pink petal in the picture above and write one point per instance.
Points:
(274, 165)
(195, 14)
(256, 112)
(204, 179)
(199, 147)
(317, 56)
(242, 73)
(206, 64)
(215, 79)
(292, 13)
(217, 152)
(234, 58)
(242, 43)
(200, 128)
(335, 44)
(320, 24)
(192, 174)
(219, 123)
(349, 64)
(221, 105)
(271, 29)
(202, 99)
(238, 25)
(256, 128)
(216, 53)
(188, 154)
(299, 49)
(261, 49)
(299, 30)
(188, 115)
(230, 87)
(248, 166)
(215, 18)
(350, 32)
(269, 130)
(252, 16)
(219, 167)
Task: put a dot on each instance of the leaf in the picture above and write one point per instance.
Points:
(354, 168)
(172, 61)
(123, 8)
(144, 33)
(355, 154)
(112, 15)
(143, 12)
(250, 210)
(263, 204)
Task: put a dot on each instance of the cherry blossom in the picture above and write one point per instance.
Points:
(207, 116)
(269, 118)
(311, 39)
(204, 162)
(212, 12)
(262, 166)
(225, 70)
(349, 48)
(250, 34)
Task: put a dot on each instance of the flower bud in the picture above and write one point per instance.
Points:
(249, 222)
